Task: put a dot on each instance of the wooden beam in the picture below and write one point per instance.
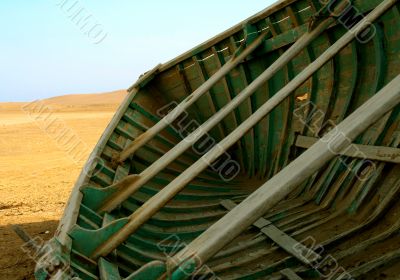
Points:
(287, 243)
(379, 153)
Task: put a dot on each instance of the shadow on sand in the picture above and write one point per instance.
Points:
(15, 264)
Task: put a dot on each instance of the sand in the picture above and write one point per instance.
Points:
(37, 171)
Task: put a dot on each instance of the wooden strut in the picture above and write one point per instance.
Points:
(192, 98)
(185, 144)
(154, 204)
(278, 187)
(379, 153)
(283, 240)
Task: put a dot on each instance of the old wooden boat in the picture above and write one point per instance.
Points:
(269, 152)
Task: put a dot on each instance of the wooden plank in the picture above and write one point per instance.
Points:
(380, 153)
(283, 240)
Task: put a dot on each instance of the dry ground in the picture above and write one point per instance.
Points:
(37, 173)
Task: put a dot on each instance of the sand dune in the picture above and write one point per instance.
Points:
(110, 98)
(73, 102)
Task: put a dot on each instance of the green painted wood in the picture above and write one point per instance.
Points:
(86, 241)
(108, 271)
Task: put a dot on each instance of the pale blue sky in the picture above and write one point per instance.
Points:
(43, 53)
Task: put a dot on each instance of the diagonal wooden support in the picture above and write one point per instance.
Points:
(287, 243)
(379, 153)
(279, 186)
(185, 104)
(176, 151)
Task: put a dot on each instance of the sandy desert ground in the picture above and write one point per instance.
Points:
(37, 172)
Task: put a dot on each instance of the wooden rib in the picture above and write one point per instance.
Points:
(230, 121)
(206, 103)
(243, 112)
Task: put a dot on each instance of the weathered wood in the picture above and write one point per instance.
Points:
(268, 195)
(287, 243)
(379, 153)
